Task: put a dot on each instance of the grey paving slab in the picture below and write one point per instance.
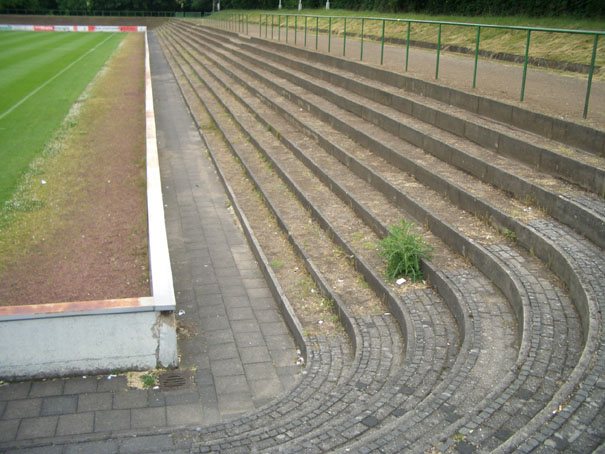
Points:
(37, 427)
(94, 401)
(8, 429)
(93, 447)
(59, 405)
(80, 385)
(22, 408)
(46, 388)
(80, 423)
(185, 414)
(110, 420)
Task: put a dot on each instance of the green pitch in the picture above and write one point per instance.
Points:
(41, 76)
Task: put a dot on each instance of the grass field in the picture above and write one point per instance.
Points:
(41, 76)
(556, 46)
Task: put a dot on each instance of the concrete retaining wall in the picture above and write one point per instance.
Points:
(84, 338)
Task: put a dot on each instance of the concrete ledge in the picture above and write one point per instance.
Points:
(88, 337)
(159, 256)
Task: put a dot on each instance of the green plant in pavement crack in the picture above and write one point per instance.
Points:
(404, 250)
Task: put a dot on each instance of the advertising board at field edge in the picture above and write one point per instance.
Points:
(75, 28)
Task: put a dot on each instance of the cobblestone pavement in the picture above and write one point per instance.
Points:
(232, 337)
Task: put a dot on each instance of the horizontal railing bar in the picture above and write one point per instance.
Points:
(463, 24)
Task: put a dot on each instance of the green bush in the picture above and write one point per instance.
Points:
(403, 250)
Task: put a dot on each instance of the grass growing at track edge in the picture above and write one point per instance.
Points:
(38, 92)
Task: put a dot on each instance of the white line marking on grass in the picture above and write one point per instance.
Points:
(40, 87)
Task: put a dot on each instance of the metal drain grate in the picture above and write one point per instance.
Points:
(171, 381)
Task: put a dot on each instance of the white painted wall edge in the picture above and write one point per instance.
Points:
(159, 256)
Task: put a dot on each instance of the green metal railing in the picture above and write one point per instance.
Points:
(281, 20)
(236, 22)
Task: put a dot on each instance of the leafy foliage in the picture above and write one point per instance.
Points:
(149, 380)
(403, 250)
(533, 8)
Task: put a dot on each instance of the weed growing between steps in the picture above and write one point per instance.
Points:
(403, 250)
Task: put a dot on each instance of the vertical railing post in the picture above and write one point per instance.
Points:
(525, 65)
(295, 28)
(592, 61)
(382, 43)
(306, 31)
(279, 28)
(260, 25)
(287, 28)
(407, 46)
(247, 29)
(316, 30)
(272, 25)
(329, 33)
(476, 56)
(361, 50)
(438, 52)
(344, 40)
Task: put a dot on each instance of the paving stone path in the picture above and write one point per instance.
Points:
(503, 352)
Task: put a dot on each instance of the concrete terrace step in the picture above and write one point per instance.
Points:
(594, 304)
(283, 133)
(563, 201)
(426, 355)
(373, 378)
(546, 315)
